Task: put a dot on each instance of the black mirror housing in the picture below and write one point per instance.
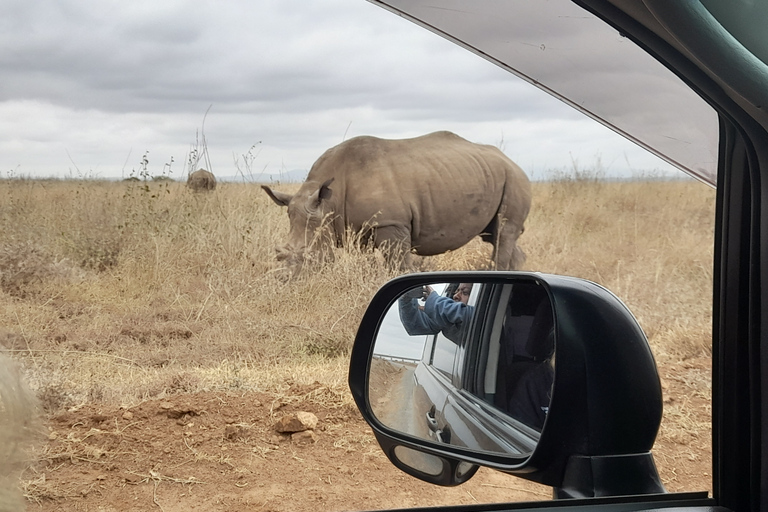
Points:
(606, 403)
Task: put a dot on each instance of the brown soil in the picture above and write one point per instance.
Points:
(216, 451)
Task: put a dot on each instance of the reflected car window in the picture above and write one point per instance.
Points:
(444, 354)
(519, 361)
(526, 362)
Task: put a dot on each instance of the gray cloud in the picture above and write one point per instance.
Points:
(100, 82)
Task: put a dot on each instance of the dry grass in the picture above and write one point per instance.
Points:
(650, 243)
(119, 292)
(123, 291)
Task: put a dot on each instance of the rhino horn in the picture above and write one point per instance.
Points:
(281, 198)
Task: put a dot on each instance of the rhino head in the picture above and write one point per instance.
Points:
(310, 213)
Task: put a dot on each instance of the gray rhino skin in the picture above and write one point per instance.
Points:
(201, 180)
(429, 194)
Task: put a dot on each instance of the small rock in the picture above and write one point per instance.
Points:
(297, 422)
(304, 437)
(130, 478)
(232, 432)
(127, 415)
(174, 412)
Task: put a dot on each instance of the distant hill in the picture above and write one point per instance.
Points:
(294, 176)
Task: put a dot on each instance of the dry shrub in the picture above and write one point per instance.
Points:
(343, 286)
(326, 346)
(476, 255)
(54, 397)
(22, 265)
(94, 251)
(683, 341)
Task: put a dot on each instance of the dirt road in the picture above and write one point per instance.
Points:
(212, 451)
(218, 451)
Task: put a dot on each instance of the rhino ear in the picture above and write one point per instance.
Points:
(281, 198)
(323, 193)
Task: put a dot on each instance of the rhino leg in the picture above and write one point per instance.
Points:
(395, 243)
(507, 255)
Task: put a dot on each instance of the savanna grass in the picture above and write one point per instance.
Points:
(118, 292)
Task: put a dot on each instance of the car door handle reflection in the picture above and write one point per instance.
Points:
(443, 436)
(440, 435)
(431, 421)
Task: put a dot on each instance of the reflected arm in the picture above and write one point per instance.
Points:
(415, 321)
(445, 312)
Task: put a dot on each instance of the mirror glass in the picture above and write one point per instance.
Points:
(468, 364)
(419, 461)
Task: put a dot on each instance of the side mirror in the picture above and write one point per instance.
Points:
(546, 377)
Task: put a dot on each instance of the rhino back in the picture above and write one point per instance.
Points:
(444, 189)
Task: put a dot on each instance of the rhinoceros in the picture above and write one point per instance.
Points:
(427, 195)
(201, 181)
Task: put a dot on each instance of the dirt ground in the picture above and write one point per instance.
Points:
(217, 451)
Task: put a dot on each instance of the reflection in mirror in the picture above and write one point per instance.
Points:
(420, 461)
(469, 364)
(462, 468)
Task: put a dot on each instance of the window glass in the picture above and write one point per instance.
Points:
(444, 354)
(576, 57)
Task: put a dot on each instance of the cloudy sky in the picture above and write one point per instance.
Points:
(88, 87)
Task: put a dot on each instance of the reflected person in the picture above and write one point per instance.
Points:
(438, 314)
